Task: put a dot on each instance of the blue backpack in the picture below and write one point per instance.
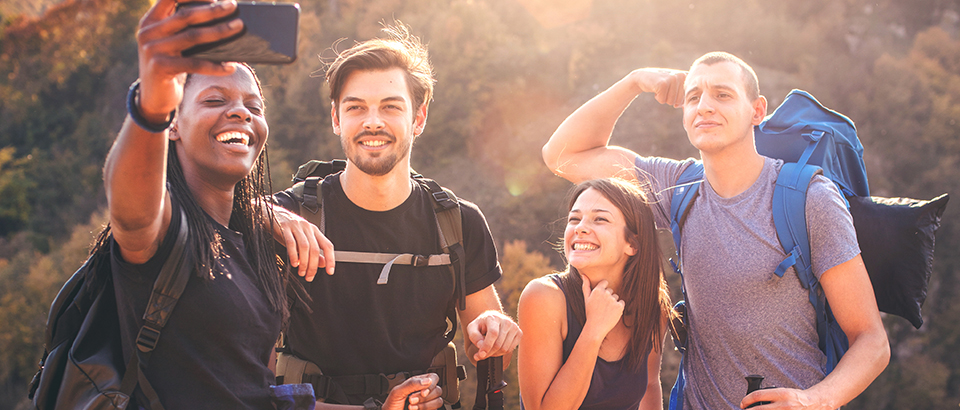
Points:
(811, 139)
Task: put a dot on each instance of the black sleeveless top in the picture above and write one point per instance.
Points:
(611, 388)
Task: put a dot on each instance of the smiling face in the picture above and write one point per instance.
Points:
(595, 236)
(718, 112)
(376, 121)
(220, 129)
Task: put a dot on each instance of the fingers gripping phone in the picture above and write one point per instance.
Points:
(269, 35)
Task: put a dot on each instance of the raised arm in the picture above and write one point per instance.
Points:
(578, 150)
(135, 169)
(851, 299)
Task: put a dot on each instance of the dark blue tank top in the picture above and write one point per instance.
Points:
(610, 387)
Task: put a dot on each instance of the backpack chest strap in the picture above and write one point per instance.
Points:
(390, 259)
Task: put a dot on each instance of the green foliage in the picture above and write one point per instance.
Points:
(14, 188)
(60, 103)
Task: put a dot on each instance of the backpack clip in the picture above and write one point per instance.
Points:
(147, 338)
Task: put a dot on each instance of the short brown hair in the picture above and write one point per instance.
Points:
(750, 82)
(399, 50)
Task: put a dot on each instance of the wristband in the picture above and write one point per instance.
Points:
(137, 118)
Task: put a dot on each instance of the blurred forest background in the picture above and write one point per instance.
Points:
(509, 71)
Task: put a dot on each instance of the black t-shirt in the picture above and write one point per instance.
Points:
(360, 327)
(213, 352)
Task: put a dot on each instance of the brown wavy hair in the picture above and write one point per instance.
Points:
(399, 49)
(644, 290)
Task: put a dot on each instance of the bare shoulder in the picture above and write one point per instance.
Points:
(541, 311)
(542, 295)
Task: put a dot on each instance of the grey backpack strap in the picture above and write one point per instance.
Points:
(450, 226)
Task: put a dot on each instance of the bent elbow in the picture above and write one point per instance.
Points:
(884, 359)
(550, 158)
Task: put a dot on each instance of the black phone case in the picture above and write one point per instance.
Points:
(269, 35)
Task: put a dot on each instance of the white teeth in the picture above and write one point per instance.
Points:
(584, 246)
(376, 143)
(233, 137)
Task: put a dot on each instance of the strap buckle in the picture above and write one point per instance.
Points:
(443, 199)
(147, 338)
(420, 261)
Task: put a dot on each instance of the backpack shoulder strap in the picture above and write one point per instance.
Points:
(167, 289)
(450, 226)
(684, 193)
(306, 187)
(790, 221)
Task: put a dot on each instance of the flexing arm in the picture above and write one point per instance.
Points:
(578, 150)
(546, 382)
(135, 170)
(489, 332)
(851, 298)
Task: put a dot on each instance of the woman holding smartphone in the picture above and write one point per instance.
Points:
(194, 141)
(592, 335)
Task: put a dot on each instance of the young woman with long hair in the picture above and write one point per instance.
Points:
(592, 335)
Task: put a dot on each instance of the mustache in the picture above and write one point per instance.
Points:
(378, 133)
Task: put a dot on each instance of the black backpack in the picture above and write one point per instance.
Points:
(82, 364)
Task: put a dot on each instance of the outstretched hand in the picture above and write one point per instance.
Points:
(416, 393)
(164, 33)
(604, 308)
(307, 248)
(666, 84)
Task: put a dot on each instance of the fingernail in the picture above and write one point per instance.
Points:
(234, 24)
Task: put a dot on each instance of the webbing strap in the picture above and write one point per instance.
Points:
(390, 259)
(685, 192)
(450, 227)
(168, 287)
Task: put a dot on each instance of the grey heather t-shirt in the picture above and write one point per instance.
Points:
(743, 319)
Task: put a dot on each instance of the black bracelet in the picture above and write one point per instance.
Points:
(135, 115)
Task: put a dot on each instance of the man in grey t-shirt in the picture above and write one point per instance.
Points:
(742, 319)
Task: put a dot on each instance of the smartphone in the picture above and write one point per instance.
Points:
(269, 35)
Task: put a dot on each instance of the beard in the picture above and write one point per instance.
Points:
(379, 163)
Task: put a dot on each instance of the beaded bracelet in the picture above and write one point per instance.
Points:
(137, 118)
